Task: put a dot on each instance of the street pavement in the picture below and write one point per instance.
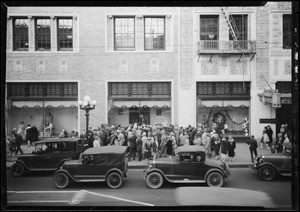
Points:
(242, 157)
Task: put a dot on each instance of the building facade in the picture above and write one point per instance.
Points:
(152, 65)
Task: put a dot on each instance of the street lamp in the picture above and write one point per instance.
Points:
(87, 104)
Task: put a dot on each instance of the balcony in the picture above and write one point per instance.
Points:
(226, 47)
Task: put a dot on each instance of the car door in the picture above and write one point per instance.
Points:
(185, 168)
(287, 164)
(200, 167)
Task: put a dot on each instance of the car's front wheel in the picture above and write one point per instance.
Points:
(267, 173)
(154, 180)
(17, 169)
(61, 180)
(114, 180)
(215, 179)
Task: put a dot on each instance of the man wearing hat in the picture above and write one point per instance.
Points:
(224, 149)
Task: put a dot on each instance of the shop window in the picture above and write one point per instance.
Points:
(284, 87)
(154, 33)
(209, 31)
(65, 34)
(158, 112)
(287, 31)
(241, 23)
(20, 34)
(124, 35)
(43, 34)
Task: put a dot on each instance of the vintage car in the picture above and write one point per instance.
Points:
(189, 166)
(98, 164)
(268, 166)
(48, 155)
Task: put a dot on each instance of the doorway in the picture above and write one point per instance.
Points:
(140, 115)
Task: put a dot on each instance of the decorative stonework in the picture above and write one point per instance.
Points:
(9, 34)
(40, 66)
(275, 30)
(18, 66)
(287, 67)
(262, 47)
(123, 66)
(154, 65)
(275, 67)
(279, 5)
(237, 67)
(63, 66)
(280, 53)
(209, 68)
(185, 49)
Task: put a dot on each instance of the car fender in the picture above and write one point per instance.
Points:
(265, 164)
(62, 161)
(213, 170)
(148, 171)
(21, 162)
(112, 170)
(64, 171)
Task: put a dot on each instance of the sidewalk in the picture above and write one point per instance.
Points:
(242, 157)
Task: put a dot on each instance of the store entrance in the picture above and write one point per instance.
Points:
(139, 115)
(284, 116)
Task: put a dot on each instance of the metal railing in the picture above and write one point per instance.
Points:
(208, 46)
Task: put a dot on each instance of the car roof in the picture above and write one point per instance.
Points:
(106, 150)
(192, 148)
(52, 140)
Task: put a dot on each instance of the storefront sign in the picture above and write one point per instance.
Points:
(271, 121)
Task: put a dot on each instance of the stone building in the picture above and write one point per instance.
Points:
(156, 65)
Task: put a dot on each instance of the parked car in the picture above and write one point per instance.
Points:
(268, 166)
(189, 166)
(98, 164)
(48, 155)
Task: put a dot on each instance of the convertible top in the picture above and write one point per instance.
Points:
(52, 140)
(106, 150)
(192, 148)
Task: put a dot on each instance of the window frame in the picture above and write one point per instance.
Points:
(164, 33)
(58, 34)
(125, 48)
(286, 31)
(14, 33)
(36, 34)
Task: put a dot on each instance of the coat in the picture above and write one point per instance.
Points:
(231, 148)
(139, 144)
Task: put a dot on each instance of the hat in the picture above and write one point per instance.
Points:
(148, 138)
(144, 134)
(223, 139)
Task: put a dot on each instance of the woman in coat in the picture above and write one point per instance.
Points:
(231, 148)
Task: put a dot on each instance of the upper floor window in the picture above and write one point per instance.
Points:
(65, 33)
(240, 25)
(20, 34)
(154, 33)
(209, 31)
(124, 35)
(287, 31)
(42, 34)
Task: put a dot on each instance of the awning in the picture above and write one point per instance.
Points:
(224, 103)
(39, 104)
(142, 103)
(267, 97)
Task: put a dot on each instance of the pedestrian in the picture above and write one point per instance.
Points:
(252, 147)
(217, 141)
(28, 135)
(163, 143)
(287, 143)
(224, 149)
(18, 142)
(139, 146)
(269, 132)
(207, 144)
(147, 151)
(132, 145)
(169, 147)
(231, 148)
(35, 134)
(97, 142)
(265, 139)
(154, 147)
(278, 143)
(144, 140)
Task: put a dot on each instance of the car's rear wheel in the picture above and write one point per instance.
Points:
(114, 180)
(215, 179)
(17, 169)
(154, 180)
(267, 173)
(62, 180)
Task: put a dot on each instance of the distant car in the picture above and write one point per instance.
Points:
(268, 166)
(98, 164)
(48, 155)
(189, 166)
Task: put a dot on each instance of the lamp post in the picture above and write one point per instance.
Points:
(87, 104)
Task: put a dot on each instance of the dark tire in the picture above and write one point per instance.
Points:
(114, 180)
(267, 173)
(17, 169)
(154, 180)
(215, 179)
(61, 180)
